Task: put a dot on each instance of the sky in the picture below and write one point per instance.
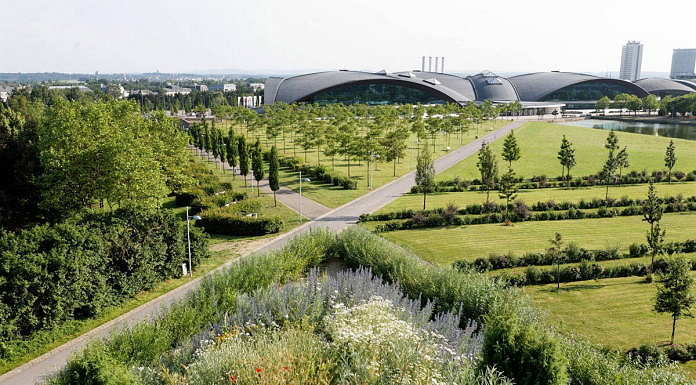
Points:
(115, 36)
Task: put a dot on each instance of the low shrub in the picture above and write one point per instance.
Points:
(318, 173)
(230, 221)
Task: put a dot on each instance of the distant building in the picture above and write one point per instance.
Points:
(683, 64)
(257, 86)
(5, 93)
(227, 87)
(143, 92)
(115, 90)
(201, 87)
(176, 90)
(79, 88)
(631, 60)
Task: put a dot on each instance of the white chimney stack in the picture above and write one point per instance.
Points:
(423, 64)
(437, 62)
(442, 65)
(430, 63)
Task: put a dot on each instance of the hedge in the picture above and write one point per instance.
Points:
(74, 270)
(655, 354)
(228, 221)
(542, 181)
(571, 254)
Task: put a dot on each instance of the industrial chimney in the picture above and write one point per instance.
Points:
(442, 65)
(437, 62)
(423, 64)
(430, 63)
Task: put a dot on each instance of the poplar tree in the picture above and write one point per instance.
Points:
(566, 156)
(511, 150)
(257, 165)
(425, 173)
(273, 179)
(652, 214)
(232, 153)
(243, 157)
(670, 159)
(488, 167)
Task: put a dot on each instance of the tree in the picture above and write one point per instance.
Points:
(556, 251)
(273, 179)
(508, 190)
(566, 155)
(603, 103)
(608, 173)
(612, 143)
(394, 146)
(674, 293)
(511, 150)
(488, 168)
(670, 159)
(652, 213)
(257, 165)
(232, 150)
(243, 157)
(425, 173)
(622, 160)
(650, 103)
(634, 104)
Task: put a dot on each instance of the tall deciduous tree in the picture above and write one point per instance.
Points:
(232, 150)
(273, 178)
(652, 213)
(603, 103)
(511, 150)
(507, 189)
(488, 168)
(257, 165)
(425, 173)
(243, 151)
(674, 293)
(670, 159)
(622, 160)
(566, 155)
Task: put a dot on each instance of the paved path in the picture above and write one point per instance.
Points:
(337, 219)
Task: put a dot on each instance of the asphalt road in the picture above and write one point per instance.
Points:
(337, 219)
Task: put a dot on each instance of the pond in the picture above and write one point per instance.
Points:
(662, 129)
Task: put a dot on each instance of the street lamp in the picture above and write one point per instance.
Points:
(300, 198)
(188, 236)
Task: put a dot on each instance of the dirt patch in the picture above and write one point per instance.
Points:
(240, 247)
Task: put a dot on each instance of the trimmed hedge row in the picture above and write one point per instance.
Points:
(673, 204)
(649, 355)
(228, 221)
(518, 214)
(318, 173)
(542, 181)
(571, 254)
(74, 270)
(584, 272)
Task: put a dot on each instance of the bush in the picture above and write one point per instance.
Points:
(228, 221)
(318, 173)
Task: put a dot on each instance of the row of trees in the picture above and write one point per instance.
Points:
(668, 105)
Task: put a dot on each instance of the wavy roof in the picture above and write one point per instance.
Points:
(653, 85)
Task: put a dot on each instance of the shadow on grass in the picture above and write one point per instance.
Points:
(573, 288)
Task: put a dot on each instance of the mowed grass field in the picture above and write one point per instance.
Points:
(415, 201)
(615, 312)
(382, 172)
(445, 245)
(540, 141)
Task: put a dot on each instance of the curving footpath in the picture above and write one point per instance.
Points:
(34, 371)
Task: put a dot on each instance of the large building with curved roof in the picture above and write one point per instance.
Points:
(534, 90)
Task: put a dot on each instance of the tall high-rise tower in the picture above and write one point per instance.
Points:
(683, 64)
(631, 59)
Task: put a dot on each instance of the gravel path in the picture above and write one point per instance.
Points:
(337, 219)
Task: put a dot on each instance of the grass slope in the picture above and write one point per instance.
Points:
(539, 143)
(445, 245)
(613, 312)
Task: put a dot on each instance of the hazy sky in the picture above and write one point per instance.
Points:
(295, 35)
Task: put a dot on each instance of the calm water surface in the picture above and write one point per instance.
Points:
(682, 131)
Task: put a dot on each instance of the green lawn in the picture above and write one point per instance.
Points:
(383, 173)
(613, 312)
(415, 201)
(539, 143)
(445, 245)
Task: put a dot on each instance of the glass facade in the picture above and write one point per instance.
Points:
(375, 94)
(592, 90)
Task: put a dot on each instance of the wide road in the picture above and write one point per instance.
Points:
(337, 219)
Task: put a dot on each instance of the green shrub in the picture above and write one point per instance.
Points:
(95, 366)
(228, 221)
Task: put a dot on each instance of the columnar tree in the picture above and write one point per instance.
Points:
(670, 159)
(273, 178)
(243, 151)
(257, 165)
(507, 189)
(652, 213)
(425, 173)
(674, 293)
(511, 150)
(488, 168)
(232, 150)
(556, 251)
(608, 172)
(566, 155)
(622, 160)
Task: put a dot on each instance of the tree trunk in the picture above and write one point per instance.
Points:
(674, 326)
(394, 167)
(258, 189)
(488, 193)
(424, 195)
(275, 203)
(606, 195)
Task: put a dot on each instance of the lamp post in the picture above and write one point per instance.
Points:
(188, 236)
